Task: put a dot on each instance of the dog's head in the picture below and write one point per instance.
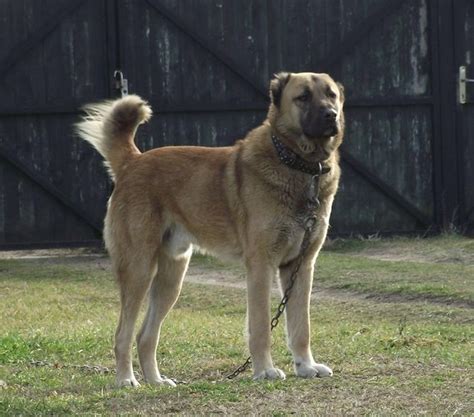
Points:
(307, 109)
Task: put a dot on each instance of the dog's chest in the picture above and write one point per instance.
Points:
(297, 205)
(289, 240)
(298, 200)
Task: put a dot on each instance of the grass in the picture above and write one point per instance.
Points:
(439, 269)
(389, 358)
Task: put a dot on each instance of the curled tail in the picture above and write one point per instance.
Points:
(110, 127)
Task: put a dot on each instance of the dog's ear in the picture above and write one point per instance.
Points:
(341, 91)
(277, 86)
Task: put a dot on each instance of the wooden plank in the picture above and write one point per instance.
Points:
(436, 118)
(464, 53)
(205, 107)
(11, 206)
(385, 189)
(350, 41)
(219, 54)
(384, 65)
(361, 209)
(18, 51)
(449, 194)
(46, 186)
(389, 101)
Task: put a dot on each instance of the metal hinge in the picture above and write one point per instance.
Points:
(462, 81)
(121, 83)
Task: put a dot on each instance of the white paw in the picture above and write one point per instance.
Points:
(270, 373)
(316, 370)
(128, 382)
(162, 381)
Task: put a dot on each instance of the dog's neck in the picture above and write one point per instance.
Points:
(292, 160)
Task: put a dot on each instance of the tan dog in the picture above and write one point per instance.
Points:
(241, 201)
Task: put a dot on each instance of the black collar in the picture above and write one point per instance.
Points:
(294, 161)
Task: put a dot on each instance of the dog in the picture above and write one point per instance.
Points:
(246, 201)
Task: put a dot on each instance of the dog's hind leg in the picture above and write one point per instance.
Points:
(134, 280)
(164, 292)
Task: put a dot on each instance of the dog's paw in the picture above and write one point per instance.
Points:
(270, 373)
(162, 381)
(316, 370)
(127, 382)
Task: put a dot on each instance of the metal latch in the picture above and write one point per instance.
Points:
(121, 84)
(462, 84)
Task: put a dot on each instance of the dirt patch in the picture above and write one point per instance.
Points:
(437, 250)
(213, 275)
(52, 254)
(397, 254)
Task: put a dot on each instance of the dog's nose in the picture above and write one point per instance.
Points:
(329, 114)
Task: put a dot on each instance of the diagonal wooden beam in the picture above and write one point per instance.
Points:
(18, 51)
(46, 185)
(206, 44)
(385, 189)
(387, 8)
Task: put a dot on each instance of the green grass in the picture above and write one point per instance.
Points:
(446, 282)
(449, 248)
(439, 268)
(389, 358)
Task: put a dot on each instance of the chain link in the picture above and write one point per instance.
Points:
(98, 369)
(240, 369)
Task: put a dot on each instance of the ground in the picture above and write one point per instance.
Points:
(393, 318)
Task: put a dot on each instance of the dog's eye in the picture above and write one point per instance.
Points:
(304, 97)
(331, 94)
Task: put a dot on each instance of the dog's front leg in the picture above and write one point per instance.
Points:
(298, 321)
(259, 281)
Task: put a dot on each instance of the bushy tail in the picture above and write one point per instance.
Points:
(110, 127)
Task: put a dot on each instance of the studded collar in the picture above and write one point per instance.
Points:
(294, 161)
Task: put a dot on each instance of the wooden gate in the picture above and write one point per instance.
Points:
(205, 66)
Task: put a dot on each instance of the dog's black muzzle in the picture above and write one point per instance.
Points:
(321, 124)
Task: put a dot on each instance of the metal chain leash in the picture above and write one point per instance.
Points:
(309, 224)
(96, 369)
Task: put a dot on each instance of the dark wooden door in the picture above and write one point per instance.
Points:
(464, 60)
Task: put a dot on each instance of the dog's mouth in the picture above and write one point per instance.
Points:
(313, 148)
(330, 132)
(325, 133)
